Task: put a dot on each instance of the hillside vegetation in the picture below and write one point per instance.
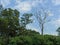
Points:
(13, 30)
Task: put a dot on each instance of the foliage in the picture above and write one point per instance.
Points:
(58, 30)
(25, 19)
(31, 40)
(13, 32)
(9, 21)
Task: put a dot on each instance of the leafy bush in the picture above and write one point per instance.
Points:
(36, 39)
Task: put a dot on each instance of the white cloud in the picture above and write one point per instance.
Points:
(25, 6)
(5, 2)
(50, 13)
(36, 2)
(30, 26)
(56, 2)
(56, 22)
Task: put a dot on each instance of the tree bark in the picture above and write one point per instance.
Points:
(42, 28)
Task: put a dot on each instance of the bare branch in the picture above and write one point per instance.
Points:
(41, 16)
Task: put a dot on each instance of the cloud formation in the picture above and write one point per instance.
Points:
(23, 6)
(50, 13)
(56, 22)
(26, 6)
(56, 2)
(5, 2)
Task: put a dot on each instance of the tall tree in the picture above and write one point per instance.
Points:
(1, 9)
(42, 17)
(11, 17)
(25, 19)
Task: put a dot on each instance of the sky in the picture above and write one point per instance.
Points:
(28, 6)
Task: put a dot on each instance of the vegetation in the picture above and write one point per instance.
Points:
(42, 18)
(13, 30)
(58, 30)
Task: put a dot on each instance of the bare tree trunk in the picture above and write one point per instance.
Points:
(42, 28)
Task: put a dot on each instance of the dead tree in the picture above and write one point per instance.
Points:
(42, 17)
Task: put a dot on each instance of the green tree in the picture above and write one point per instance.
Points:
(10, 18)
(1, 9)
(25, 19)
(58, 30)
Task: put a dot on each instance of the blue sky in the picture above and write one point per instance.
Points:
(28, 6)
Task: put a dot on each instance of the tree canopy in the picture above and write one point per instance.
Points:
(13, 30)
